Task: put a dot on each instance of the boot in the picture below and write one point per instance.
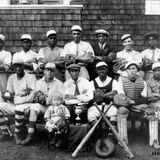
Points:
(17, 139)
(28, 139)
(122, 127)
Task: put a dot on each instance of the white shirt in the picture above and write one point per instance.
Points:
(27, 56)
(5, 59)
(18, 86)
(86, 92)
(115, 85)
(153, 55)
(130, 56)
(78, 49)
(50, 88)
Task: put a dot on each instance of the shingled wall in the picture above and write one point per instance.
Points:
(117, 16)
(37, 21)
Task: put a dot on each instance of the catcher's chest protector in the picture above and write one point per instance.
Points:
(133, 89)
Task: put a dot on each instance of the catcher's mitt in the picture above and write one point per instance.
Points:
(105, 147)
(121, 100)
(119, 64)
(39, 97)
(147, 64)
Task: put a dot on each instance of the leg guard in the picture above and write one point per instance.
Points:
(153, 133)
(122, 127)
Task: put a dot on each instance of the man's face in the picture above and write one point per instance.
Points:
(128, 43)
(1, 44)
(49, 73)
(52, 40)
(152, 42)
(74, 74)
(132, 71)
(156, 73)
(102, 71)
(76, 36)
(102, 38)
(26, 44)
(19, 69)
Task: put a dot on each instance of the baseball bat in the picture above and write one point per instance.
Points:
(87, 136)
(125, 147)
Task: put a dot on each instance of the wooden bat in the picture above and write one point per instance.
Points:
(125, 147)
(87, 136)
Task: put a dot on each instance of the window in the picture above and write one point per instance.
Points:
(152, 7)
(34, 2)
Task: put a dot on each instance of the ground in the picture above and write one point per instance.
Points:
(138, 144)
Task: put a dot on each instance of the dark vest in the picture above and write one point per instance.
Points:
(133, 89)
(105, 89)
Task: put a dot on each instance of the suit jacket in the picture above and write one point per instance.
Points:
(108, 55)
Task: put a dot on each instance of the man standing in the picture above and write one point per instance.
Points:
(151, 54)
(105, 88)
(135, 89)
(103, 52)
(77, 91)
(127, 54)
(51, 53)
(48, 85)
(20, 92)
(29, 57)
(78, 51)
(5, 62)
(154, 99)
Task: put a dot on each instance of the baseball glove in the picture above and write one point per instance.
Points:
(121, 100)
(147, 64)
(39, 97)
(119, 64)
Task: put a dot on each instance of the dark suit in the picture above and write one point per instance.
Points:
(108, 55)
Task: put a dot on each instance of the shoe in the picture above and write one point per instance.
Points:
(156, 145)
(4, 137)
(17, 139)
(28, 140)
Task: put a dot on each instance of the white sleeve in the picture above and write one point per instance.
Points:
(144, 91)
(65, 51)
(118, 86)
(40, 54)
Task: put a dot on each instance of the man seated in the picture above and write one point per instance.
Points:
(47, 85)
(135, 89)
(20, 92)
(154, 99)
(77, 92)
(104, 89)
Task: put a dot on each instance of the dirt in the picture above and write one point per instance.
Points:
(138, 144)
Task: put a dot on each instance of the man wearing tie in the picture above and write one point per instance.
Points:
(78, 51)
(77, 91)
(151, 54)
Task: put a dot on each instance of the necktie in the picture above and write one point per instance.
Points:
(76, 89)
(153, 56)
(76, 49)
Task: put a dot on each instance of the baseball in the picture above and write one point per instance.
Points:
(7, 94)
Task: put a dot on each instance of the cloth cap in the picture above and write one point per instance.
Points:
(50, 32)
(102, 31)
(50, 66)
(152, 34)
(155, 65)
(76, 28)
(26, 36)
(130, 63)
(100, 64)
(125, 36)
(2, 37)
(17, 60)
(74, 66)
